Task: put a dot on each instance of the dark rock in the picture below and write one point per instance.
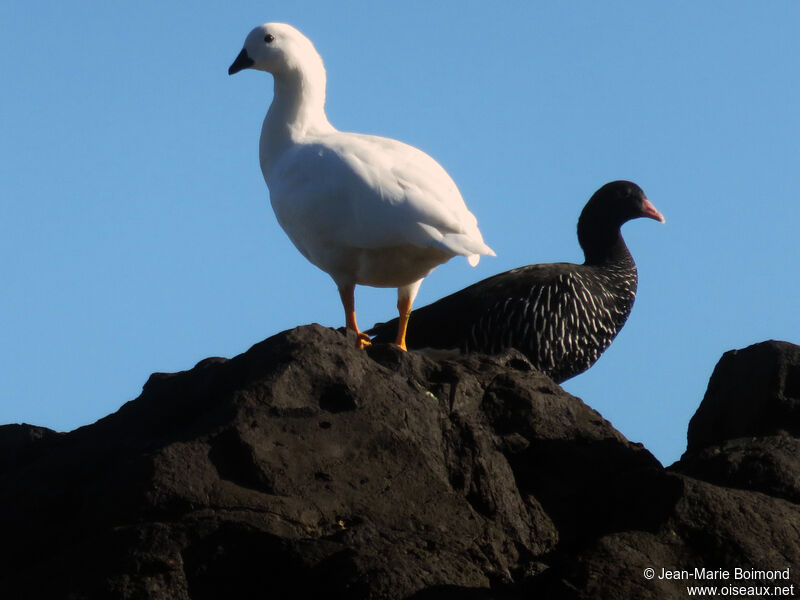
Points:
(307, 468)
(708, 527)
(770, 465)
(752, 392)
(746, 432)
(22, 442)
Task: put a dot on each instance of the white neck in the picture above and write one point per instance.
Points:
(297, 111)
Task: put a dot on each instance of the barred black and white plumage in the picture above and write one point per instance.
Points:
(562, 316)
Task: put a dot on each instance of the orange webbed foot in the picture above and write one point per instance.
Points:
(362, 340)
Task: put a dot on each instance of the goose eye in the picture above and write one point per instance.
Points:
(269, 38)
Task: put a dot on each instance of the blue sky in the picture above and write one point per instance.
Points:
(136, 234)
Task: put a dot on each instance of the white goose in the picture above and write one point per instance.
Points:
(365, 209)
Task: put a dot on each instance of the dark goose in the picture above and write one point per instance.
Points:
(562, 316)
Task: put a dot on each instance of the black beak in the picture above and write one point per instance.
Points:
(242, 62)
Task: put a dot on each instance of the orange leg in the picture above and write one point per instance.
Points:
(404, 308)
(347, 294)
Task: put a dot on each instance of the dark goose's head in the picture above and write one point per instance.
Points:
(599, 224)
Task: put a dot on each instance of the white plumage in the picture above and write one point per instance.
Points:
(365, 209)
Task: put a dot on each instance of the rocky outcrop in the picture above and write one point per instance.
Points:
(306, 467)
(746, 433)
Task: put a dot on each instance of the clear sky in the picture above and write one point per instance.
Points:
(136, 233)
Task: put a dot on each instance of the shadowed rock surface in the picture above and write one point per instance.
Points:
(746, 433)
(305, 467)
